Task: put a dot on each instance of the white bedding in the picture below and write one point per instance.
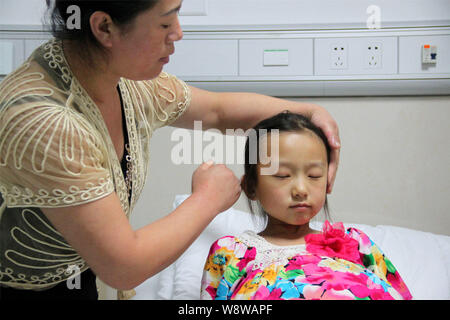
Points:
(421, 258)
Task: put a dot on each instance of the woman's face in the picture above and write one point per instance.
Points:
(141, 52)
(297, 191)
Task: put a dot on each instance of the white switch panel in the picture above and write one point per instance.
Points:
(6, 57)
(194, 8)
(276, 57)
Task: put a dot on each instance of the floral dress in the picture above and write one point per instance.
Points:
(335, 264)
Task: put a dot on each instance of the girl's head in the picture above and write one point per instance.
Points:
(296, 191)
(116, 30)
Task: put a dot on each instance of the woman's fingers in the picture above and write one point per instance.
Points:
(323, 119)
(332, 168)
(207, 164)
(335, 144)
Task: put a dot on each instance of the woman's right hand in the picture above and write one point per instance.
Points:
(217, 185)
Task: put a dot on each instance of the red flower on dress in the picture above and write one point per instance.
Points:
(333, 242)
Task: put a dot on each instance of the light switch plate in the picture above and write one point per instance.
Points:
(276, 57)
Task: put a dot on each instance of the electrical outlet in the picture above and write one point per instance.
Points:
(338, 56)
(374, 55)
(357, 55)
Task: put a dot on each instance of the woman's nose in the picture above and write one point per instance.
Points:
(176, 34)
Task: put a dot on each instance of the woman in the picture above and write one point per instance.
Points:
(75, 122)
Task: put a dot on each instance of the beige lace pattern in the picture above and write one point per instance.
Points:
(268, 254)
(55, 151)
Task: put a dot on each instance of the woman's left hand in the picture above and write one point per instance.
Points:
(321, 118)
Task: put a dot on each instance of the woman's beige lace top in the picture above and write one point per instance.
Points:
(55, 151)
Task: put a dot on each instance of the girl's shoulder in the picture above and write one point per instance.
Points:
(231, 241)
(363, 239)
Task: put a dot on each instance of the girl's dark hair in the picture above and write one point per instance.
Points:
(284, 122)
(122, 12)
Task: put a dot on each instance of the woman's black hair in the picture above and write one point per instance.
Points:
(285, 121)
(122, 12)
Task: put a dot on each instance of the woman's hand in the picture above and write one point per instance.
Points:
(217, 185)
(321, 118)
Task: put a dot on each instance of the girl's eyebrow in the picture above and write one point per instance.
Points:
(317, 163)
(172, 11)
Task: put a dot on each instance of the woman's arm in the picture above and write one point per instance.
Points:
(123, 258)
(233, 110)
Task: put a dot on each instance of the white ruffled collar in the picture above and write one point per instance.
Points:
(268, 254)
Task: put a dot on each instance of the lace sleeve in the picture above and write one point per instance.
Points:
(50, 156)
(164, 98)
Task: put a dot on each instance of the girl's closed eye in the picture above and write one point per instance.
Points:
(315, 175)
(282, 176)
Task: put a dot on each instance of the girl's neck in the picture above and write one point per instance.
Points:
(280, 233)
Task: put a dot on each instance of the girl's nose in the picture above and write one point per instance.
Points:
(299, 190)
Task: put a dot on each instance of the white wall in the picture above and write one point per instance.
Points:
(21, 12)
(321, 13)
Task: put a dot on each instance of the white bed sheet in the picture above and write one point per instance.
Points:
(421, 258)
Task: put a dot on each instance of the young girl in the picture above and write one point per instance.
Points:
(288, 259)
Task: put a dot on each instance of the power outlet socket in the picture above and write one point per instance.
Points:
(338, 56)
(361, 55)
(374, 56)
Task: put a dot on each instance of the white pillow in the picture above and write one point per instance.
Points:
(189, 267)
(421, 258)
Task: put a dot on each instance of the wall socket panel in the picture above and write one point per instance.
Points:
(358, 55)
(374, 55)
(338, 56)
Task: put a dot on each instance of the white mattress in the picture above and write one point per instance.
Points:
(421, 258)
